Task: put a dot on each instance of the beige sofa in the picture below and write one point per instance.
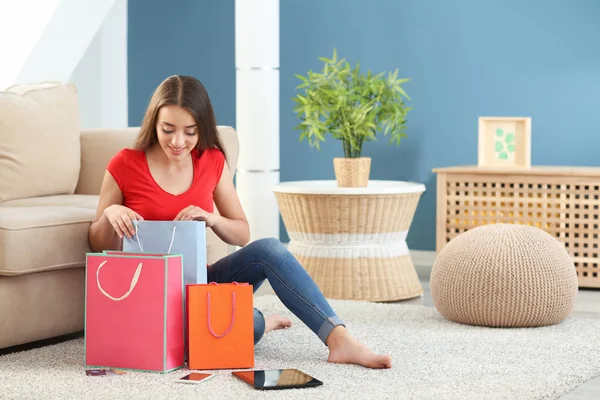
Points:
(50, 177)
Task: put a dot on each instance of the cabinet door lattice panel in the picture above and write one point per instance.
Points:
(565, 202)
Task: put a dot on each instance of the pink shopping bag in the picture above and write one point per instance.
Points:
(134, 311)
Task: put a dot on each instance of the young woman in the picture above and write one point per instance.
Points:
(177, 171)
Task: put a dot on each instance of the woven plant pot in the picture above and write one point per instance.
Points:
(352, 172)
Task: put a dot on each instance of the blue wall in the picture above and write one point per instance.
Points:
(185, 37)
(465, 59)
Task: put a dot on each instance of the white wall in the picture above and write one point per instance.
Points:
(79, 41)
(88, 79)
(101, 75)
(20, 30)
(257, 112)
(63, 41)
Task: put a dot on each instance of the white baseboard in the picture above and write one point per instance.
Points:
(423, 258)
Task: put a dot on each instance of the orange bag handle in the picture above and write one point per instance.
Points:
(232, 313)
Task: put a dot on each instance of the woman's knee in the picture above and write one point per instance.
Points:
(267, 247)
(267, 243)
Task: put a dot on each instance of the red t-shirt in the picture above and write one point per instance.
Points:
(143, 195)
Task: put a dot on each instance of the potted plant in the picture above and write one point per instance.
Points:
(352, 107)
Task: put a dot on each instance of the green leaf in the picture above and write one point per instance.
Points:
(510, 148)
(350, 106)
(503, 156)
(302, 78)
(499, 146)
(499, 132)
(510, 138)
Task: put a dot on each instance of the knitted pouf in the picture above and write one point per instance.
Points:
(504, 275)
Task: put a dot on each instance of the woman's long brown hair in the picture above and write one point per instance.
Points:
(186, 92)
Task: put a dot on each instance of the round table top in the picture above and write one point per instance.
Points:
(331, 187)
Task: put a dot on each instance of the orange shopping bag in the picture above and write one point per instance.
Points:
(220, 326)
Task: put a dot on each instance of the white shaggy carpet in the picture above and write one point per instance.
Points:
(432, 357)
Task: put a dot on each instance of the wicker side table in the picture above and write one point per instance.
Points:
(352, 241)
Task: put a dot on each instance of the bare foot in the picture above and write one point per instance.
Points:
(345, 349)
(273, 322)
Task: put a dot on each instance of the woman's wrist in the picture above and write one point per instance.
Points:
(215, 219)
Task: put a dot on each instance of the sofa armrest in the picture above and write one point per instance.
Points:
(231, 144)
(98, 146)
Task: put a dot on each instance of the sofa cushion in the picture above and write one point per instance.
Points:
(74, 200)
(98, 146)
(39, 140)
(51, 232)
(43, 238)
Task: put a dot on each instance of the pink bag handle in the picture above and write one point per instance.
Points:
(134, 281)
(232, 313)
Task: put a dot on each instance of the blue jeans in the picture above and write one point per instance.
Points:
(269, 259)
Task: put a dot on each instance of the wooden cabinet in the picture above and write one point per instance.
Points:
(563, 201)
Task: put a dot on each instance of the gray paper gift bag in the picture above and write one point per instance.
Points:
(187, 238)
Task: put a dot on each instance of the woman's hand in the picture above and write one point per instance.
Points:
(193, 213)
(120, 218)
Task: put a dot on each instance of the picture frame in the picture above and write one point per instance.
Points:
(504, 142)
